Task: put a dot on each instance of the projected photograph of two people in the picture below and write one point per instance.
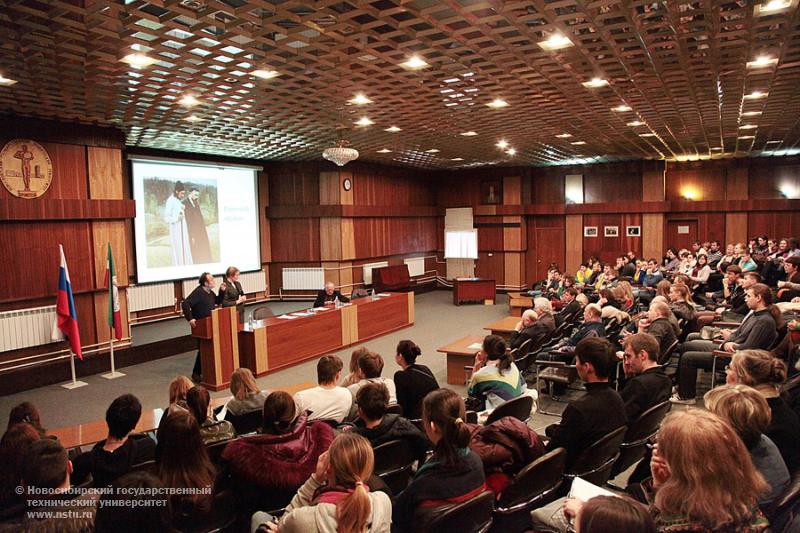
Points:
(181, 221)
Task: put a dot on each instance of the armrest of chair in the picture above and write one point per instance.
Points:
(722, 353)
(726, 324)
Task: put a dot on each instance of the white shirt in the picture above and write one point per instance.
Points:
(324, 404)
(388, 382)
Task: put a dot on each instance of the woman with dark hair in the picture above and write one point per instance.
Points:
(610, 514)
(495, 377)
(142, 510)
(268, 469)
(28, 413)
(336, 496)
(414, 381)
(197, 399)
(15, 443)
(453, 474)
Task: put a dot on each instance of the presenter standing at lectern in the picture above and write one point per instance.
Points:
(329, 294)
(232, 293)
(198, 305)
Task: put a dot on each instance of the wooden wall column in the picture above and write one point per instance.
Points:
(336, 234)
(736, 189)
(514, 234)
(653, 190)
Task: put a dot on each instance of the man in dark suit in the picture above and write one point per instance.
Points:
(197, 305)
(198, 234)
(232, 293)
(647, 384)
(658, 325)
(571, 306)
(329, 294)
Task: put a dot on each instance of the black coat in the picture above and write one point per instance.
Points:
(199, 303)
(198, 235)
(642, 392)
(323, 297)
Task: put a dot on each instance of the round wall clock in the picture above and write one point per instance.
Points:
(347, 184)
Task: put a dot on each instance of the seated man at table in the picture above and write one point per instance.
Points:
(114, 456)
(327, 401)
(370, 366)
(329, 294)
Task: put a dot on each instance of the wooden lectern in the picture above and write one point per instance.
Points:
(219, 347)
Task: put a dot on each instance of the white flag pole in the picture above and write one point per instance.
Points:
(113, 374)
(74, 384)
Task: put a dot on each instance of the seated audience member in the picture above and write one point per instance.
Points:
(653, 274)
(413, 381)
(378, 427)
(760, 370)
(329, 295)
(592, 326)
(14, 445)
(757, 331)
(545, 323)
(370, 367)
(647, 384)
(267, 469)
(746, 262)
(599, 412)
(211, 431)
(526, 330)
(607, 514)
(659, 326)
(352, 378)
(681, 304)
(178, 388)
(47, 469)
(28, 413)
(671, 260)
(608, 299)
(326, 401)
(714, 253)
(182, 462)
(571, 306)
(748, 413)
(495, 377)
(453, 474)
(247, 397)
(790, 288)
(335, 497)
(122, 449)
(135, 506)
(626, 296)
(700, 273)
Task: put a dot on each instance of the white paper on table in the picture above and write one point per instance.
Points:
(383, 294)
(475, 346)
(585, 491)
(320, 308)
(287, 317)
(303, 313)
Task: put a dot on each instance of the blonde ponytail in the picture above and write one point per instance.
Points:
(353, 511)
(352, 461)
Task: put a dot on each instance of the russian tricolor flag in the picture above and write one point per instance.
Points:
(66, 318)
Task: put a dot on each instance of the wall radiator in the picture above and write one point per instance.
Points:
(251, 282)
(368, 270)
(416, 266)
(155, 296)
(23, 328)
(300, 279)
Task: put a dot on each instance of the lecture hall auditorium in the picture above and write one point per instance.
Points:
(400, 266)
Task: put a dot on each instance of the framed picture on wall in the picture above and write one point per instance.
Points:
(633, 231)
(590, 231)
(491, 192)
(611, 231)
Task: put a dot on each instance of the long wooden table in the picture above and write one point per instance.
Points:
(518, 302)
(276, 343)
(460, 353)
(97, 430)
(474, 289)
(503, 327)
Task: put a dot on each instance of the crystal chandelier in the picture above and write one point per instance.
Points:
(340, 154)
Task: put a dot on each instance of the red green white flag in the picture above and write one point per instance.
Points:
(114, 317)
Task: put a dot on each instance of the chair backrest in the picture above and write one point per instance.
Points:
(647, 424)
(597, 460)
(215, 450)
(394, 409)
(471, 516)
(664, 357)
(786, 505)
(262, 312)
(535, 481)
(393, 463)
(519, 408)
(359, 293)
(246, 422)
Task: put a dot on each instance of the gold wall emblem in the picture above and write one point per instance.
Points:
(25, 168)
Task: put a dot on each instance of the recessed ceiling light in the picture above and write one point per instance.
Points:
(384, 151)
(469, 133)
(265, 74)
(751, 113)
(748, 127)
(747, 137)
(578, 143)
(364, 121)
(511, 151)
(621, 108)
(497, 103)
(564, 135)
(594, 83)
(193, 118)
(6, 81)
(502, 144)
(773, 142)
(762, 61)
(716, 148)
(647, 135)
(771, 6)
(457, 159)
(555, 42)
(755, 95)
(432, 151)
(452, 80)
(393, 129)
(138, 60)
(415, 62)
(188, 100)
(360, 99)
(635, 123)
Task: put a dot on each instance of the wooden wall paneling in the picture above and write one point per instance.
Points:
(457, 192)
(774, 181)
(346, 276)
(547, 185)
(348, 237)
(330, 239)
(396, 187)
(381, 237)
(774, 225)
(652, 236)
(737, 182)
(329, 188)
(574, 242)
(736, 228)
(104, 232)
(514, 269)
(84, 308)
(101, 315)
(332, 272)
(608, 185)
(630, 244)
(105, 173)
(294, 187)
(295, 239)
(602, 247)
(550, 245)
(69, 173)
(653, 185)
(490, 237)
(347, 197)
(491, 265)
(265, 229)
(512, 190)
(514, 234)
(703, 180)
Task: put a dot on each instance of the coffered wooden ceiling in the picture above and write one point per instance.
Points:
(681, 67)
